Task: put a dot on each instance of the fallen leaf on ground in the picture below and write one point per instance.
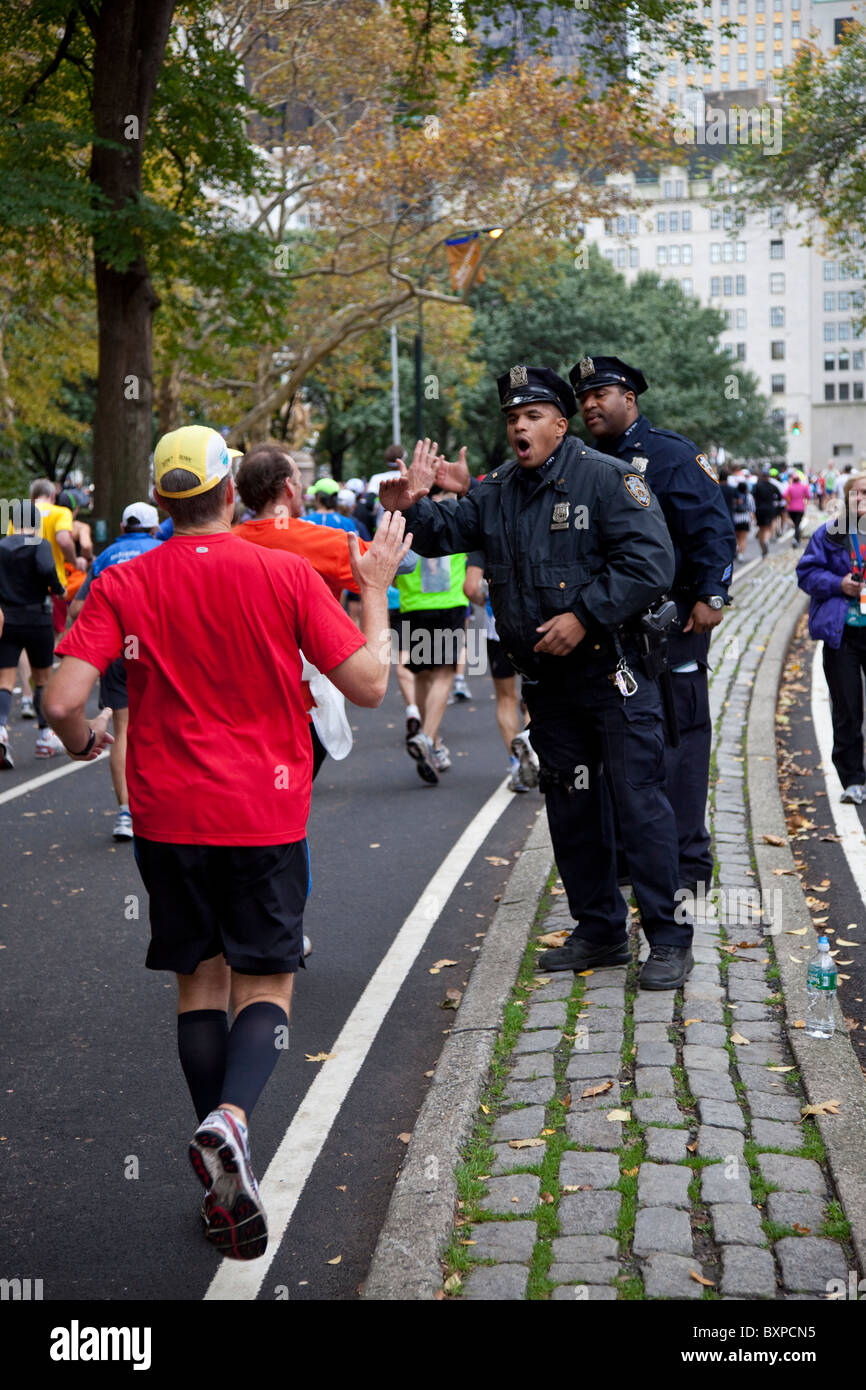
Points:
(691, 1147)
(452, 999)
(802, 1230)
(569, 1187)
(404, 1137)
(630, 1172)
(556, 892)
(496, 859)
(430, 1073)
(486, 1109)
(819, 921)
(619, 1115)
(738, 1038)
(583, 973)
(852, 1024)
(336, 1261)
(552, 939)
(840, 942)
(453, 1284)
(524, 1143)
(836, 839)
(437, 965)
(547, 1198)
(468, 1242)
(548, 1131)
(439, 1295)
(824, 1107)
(689, 1021)
(699, 1278)
(799, 1023)
(341, 1189)
(800, 931)
(596, 1090)
(796, 960)
(566, 1104)
(780, 1068)
(320, 1056)
(780, 872)
(542, 980)
(774, 840)
(846, 962)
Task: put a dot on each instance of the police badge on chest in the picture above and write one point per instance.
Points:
(559, 520)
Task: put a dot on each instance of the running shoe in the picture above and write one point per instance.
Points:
(219, 1154)
(855, 794)
(460, 690)
(413, 726)
(123, 826)
(308, 946)
(420, 747)
(526, 756)
(27, 708)
(6, 759)
(441, 757)
(47, 744)
(516, 782)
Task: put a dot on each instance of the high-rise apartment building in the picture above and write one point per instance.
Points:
(790, 311)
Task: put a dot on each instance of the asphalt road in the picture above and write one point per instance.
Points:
(91, 1086)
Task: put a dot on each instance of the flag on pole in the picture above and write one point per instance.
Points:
(464, 261)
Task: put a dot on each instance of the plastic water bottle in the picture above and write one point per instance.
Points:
(821, 992)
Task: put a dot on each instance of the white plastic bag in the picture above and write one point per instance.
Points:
(328, 713)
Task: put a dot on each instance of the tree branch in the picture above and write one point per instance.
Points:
(43, 77)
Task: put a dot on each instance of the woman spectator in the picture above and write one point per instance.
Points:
(797, 494)
(831, 572)
(742, 512)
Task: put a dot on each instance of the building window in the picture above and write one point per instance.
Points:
(777, 60)
(715, 287)
(687, 255)
(777, 350)
(661, 255)
(715, 252)
(632, 224)
(668, 188)
(608, 227)
(777, 385)
(844, 360)
(727, 250)
(633, 257)
(741, 351)
(858, 390)
(687, 286)
(843, 301)
(829, 301)
(759, 33)
(620, 257)
(741, 284)
(778, 418)
(725, 64)
(777, 317)
(829, 332)
(829, 391)
(777, 31)
(608, 256)
(725, 9)
(742, 34)
(857, 359)
(843, 391)
(844, 332)
(621, 225)
(674, 254)
(728, 285)
(661, 222)
(728, 219)
(687, 221)
(777, 282)
(795, 29)
(777, 250)
(829, 270)
(742, 62)
(715, 218)
(726, 315)
(777, 217)
(829, 361)
(742, 7)
(674, 222)
(740, 251)
(680, 188)
(741, 318)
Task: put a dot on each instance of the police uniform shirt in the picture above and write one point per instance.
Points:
(685, 483)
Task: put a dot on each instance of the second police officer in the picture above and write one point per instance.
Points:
(700, 525)
(576, 547)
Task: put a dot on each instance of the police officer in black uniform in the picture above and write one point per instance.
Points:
(700, 525)
(576, 547)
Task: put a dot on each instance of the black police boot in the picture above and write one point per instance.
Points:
(578, 954)
(668, 967)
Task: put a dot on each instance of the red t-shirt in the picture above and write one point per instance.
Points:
(326, 549)
(209, 628)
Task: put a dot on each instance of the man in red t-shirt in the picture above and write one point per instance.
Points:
(220, 835)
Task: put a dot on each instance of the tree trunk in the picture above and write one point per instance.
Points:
(168, 402)
(130, 38)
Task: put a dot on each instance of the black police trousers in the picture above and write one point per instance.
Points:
(687, 773)
(588, 737)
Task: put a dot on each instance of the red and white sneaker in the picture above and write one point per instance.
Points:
(220, 1156)
(47, 744)
(6, 759)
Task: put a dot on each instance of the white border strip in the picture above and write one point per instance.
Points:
(845, 818)
(24, 787)
(303, 1141)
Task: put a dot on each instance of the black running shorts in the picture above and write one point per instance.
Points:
(36, 639)
(245, 902)
(500, 667)
(433, 637)
(112, 686)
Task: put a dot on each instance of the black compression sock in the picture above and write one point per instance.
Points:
(41, 721)
(202, 1041)
(255, 1042)
(5, 706)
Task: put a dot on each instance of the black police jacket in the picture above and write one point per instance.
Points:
(695, 510)
(585, 536)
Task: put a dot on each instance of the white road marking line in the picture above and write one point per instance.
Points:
(303, 1141)
(845, 818)
(24, 787)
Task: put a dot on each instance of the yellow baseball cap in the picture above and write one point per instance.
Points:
(197, 449)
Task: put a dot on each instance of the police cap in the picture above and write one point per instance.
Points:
(591, 372)
(520, 385)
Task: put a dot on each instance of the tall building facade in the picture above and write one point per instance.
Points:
(790, 312)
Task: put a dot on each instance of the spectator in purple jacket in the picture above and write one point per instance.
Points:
(831, 572)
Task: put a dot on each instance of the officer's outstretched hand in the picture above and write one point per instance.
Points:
(454, 477)
(399, 494)
(562, 635)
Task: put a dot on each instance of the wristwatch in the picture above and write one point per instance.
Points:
(712, 601)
